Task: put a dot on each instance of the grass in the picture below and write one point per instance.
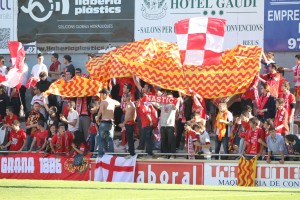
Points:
(54, 190)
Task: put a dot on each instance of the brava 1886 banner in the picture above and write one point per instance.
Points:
(76, 26)
(34, 166)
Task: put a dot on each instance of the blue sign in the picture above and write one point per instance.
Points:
(282, 25)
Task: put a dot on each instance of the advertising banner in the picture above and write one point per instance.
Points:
(169, 173)
(282, 25)
(35, 166)
(8, 21)
(268, 175)
(245, 18)
(76, 26)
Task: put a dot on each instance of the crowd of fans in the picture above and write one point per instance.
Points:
(259, 122)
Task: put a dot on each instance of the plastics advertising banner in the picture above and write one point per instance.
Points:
(76, 26)
(8, 21)
(283, 19)
(35, 166)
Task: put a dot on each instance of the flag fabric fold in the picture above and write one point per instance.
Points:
(246, 171)
(158, 63)
(15, 74)
(115, 169)
(200, 40)
(76, 87)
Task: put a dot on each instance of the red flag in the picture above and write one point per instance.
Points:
(15, 74)
(200, 40)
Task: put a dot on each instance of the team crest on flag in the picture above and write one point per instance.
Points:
(115, 169)
(200, 40)
(247, 171)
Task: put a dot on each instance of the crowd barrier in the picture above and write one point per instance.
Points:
(178, 171)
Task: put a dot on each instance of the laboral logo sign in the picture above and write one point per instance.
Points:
(268, 175)
(154, 9)
(41, 11)
(169, 173)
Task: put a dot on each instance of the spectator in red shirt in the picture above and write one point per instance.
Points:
(289, 103)
(40, 138)
(54, 69)
(144, 112)
(10, 117)
(17, 138)
(253, 136)
(191, 141)
(281, 118)
(272, 79)
(62, 141)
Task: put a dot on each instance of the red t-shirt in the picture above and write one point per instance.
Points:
(253, 147)
(273, 81)
(63, 143)
(281, 118)
(122, 81)
(9, 120)
(41, 137)
(17, 139)
(288, 100)
(54, 66)
(143, 111)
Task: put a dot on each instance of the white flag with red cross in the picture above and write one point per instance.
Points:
(200, 40)
(115, 169)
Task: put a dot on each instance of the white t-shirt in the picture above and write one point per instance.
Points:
(71, 117)
(229, 119)
(39, 99)
(204, 139)
(297, 83)
(37, 69)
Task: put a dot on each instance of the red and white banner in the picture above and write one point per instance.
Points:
(268, 175)
(169, 172)
(35, 166)
(159, 99)
(115, 169)
(15, 74)
(200, 40)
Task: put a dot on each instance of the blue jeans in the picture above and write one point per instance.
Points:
(92, 142)
(106, 132)
(147, 137)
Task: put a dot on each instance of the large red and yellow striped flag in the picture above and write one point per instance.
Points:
(246, 171)
(158, 63)
(77, 87)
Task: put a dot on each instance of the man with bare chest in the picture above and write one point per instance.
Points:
(106, 119)
(129, 121)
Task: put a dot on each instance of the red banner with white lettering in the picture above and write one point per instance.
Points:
(35, 166)
(159, 99)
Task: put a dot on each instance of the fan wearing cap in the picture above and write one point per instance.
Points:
(106, 119)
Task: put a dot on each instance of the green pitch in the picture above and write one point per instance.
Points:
(54, 190)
